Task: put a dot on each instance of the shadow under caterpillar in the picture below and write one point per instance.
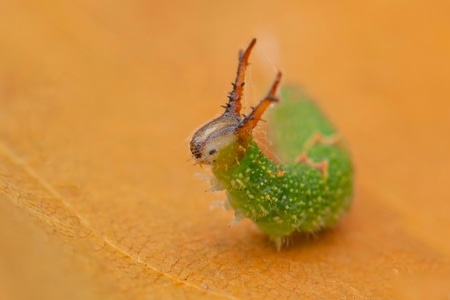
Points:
(310, 190)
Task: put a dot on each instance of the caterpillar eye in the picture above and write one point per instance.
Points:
(213, 151)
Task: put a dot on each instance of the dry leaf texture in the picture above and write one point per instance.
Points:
(98, 99)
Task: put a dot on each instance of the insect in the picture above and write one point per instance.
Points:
(308, 189)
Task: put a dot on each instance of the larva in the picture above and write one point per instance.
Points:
(309, 189)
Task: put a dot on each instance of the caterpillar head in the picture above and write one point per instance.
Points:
(226, 137)
(209, 140)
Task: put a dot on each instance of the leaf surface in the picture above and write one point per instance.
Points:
(97, 193)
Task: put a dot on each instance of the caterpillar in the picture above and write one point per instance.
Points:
(310, 185)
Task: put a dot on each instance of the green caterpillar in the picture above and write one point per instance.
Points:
(310, 188)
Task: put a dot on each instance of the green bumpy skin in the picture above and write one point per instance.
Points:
(290, 196)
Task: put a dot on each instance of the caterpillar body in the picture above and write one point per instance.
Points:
(308, 188)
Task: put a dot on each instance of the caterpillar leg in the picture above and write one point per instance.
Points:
(238, 217)
(322, 166)
(215, 185)
(280, 241)
(212, 180)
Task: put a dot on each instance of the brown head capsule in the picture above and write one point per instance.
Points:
(231, 128)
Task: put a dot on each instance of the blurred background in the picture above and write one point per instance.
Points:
(98, 100)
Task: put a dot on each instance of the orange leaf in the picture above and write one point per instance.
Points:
(97, 194)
